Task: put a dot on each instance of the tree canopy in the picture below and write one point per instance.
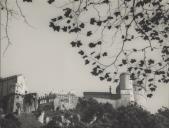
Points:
(97, 115)
(114, 36)
(91, 114)
(9, 121)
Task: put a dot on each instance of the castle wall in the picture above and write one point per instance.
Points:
(114, 103)
(124, 93)
(18, 103)
(12, 90)
(30, 102)
(7, 86)
(123, 101)
(20, 85)
(140, 97)
(59, 101)
(68, 102)
(105, 95)
(13, 84)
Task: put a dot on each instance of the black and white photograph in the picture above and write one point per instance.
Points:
(84, 63)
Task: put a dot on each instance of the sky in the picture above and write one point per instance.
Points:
(47, 60)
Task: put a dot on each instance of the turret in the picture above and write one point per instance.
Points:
(125, 89)
(125, 82)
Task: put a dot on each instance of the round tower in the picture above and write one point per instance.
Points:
(126, 89)
(125, 82)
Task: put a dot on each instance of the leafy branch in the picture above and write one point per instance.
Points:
(126, 21)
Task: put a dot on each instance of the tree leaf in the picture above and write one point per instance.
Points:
(92, 45)
(50, 1)
(87, 62)
(89, 33)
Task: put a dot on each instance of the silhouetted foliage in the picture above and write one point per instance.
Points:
(164, 111)
(9, 121)
(28, 120)
(116, 36)
(125, 22)
(27, 0)
(89, 108)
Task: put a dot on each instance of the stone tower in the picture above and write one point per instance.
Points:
(126, 93)
(125, 90)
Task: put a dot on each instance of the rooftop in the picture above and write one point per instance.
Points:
(105, 95)
(10, 77)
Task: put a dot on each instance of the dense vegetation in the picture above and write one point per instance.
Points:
(111, 36)
(102, 27)
(91, 114)
(9, 121)
(24, 120)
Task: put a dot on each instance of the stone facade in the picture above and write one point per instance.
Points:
(14, 97)
(126, 92)
(68, 101)
(12, 90)
(30, 102)
(58, 101)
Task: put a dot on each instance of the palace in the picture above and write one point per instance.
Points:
(55, 101)
(14, 97)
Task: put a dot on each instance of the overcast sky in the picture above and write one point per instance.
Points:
(47, 60)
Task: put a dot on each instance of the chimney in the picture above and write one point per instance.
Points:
(110, 89)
